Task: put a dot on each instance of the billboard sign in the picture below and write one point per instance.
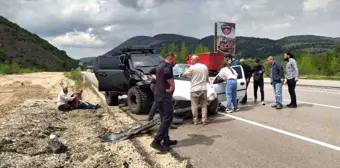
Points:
(225, 38)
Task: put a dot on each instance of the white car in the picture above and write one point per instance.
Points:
(181, 95)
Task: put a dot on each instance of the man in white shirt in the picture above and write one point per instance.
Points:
(199, 75)
(230, 76)
(63, 100)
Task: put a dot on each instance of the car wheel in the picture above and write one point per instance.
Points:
(111, 98)
(213, 107)
(138, 100)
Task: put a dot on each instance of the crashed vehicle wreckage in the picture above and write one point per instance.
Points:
(128, 73)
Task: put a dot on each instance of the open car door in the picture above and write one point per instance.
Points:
(110, 76)
(220, 85)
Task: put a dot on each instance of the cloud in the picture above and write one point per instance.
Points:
(88, 27)
(78, 39)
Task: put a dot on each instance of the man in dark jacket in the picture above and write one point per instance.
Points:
(276, 80)
(247, 74)
(155, 105)
(258, 71)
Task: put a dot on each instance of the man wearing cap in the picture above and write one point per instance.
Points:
(247, 74)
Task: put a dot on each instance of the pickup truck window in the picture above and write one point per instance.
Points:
(142, 60)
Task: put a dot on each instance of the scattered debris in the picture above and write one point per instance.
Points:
(123, 135)
(56, 145)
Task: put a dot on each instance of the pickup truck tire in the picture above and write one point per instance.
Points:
(111, 98)
(213, 107)
(138, 100)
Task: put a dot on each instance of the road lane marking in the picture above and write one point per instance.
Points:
(284, 132)
(316, 104)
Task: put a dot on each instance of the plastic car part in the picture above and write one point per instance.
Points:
(126, 134)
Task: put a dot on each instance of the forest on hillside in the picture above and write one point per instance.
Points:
(309, 65)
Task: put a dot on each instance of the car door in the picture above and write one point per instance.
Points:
(220, 85)
(241, 82)
(110, 76)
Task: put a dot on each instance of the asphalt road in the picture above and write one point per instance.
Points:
(262, 137)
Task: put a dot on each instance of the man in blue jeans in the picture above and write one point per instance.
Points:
(276, 80)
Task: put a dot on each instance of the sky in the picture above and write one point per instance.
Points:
(85, 28)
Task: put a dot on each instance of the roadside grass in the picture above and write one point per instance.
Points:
(7, 68)
(78, 78)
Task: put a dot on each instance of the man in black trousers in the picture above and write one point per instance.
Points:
(154, 106)
(247, 74)
(258, 71)
(292, 77)
(165, 86)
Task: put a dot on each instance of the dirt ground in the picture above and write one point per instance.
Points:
(28, 115)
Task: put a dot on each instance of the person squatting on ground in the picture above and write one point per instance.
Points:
(292, 77)
(199, 75)
(247, 74)
(230, 76)
(276, 80)
(64, 101)
(165, 86)
(155, 106)
(258, 71)
(67, 103)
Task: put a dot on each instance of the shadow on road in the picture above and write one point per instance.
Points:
(195, 139)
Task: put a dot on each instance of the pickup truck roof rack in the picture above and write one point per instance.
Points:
(137, 48)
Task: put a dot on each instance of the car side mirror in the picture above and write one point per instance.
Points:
(121, 66)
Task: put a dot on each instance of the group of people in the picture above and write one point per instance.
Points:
(163, 87)
(277, 78)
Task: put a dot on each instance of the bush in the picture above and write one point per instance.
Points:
(77, 77)
(7, 68)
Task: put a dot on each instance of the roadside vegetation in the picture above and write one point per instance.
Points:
(7, 68)
(78, 78)
(326, 67)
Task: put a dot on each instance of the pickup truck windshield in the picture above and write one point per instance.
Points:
(146, 60)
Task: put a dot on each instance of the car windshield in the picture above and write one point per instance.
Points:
(179, 69)
(146, 60)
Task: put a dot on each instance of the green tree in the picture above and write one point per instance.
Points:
(164, 51)
(183, 53)
(198, 49)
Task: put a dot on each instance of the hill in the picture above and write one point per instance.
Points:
(247, 47)
(29, 50)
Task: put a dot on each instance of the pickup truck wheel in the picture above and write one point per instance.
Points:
(213, 107)
(138, 100)
(111, 98)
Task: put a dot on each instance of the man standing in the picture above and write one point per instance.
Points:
(164, 89)
(155, 105)
(247, 74)
(231, 61)
(276, 80)
(258, 71)
(292, 77)
(199, 75)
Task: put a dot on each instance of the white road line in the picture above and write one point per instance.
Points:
(284, 132)
(316, 104)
